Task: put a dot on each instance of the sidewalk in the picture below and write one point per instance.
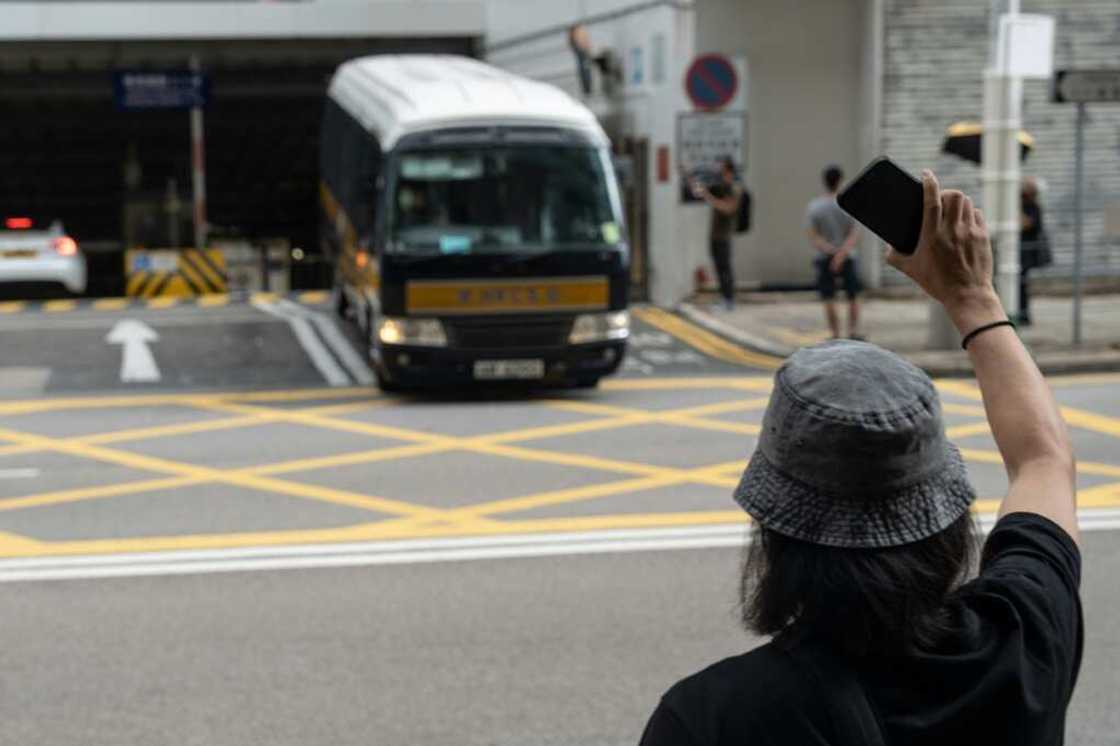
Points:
(779, 323)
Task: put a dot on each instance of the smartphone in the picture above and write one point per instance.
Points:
(888, 201)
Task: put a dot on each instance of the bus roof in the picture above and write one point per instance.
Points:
(395, 95)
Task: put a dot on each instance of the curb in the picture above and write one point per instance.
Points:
(305, 297)
(938, 364)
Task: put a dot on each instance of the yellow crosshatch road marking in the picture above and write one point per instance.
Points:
(965, 431)
(704, 340)
(323, 409)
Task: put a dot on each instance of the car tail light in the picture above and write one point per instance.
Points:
(17, 224)
(65, 246)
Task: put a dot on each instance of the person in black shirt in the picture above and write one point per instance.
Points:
(723, 197)
(862, 539)
(1034, 248)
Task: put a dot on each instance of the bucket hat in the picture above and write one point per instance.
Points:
(853, 452)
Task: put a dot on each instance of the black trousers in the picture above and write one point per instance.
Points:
(1024, 296)
(721, 257)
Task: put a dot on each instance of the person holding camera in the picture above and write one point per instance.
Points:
(863, 540)
(723, 197)
(1034, 245)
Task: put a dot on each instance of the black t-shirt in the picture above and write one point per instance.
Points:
(1034, 212)
(1006, 678)
(722, 225)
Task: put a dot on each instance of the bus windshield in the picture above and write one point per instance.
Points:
(485, 200)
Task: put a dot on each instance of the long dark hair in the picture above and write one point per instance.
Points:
(859, 601)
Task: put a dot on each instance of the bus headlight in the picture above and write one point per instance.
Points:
(420, 332)
(600, 327)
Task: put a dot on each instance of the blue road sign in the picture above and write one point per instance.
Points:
(711, 82)
(160, 89)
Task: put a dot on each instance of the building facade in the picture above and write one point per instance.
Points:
(823, 81)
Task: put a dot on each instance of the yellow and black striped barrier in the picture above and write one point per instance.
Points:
(174, 273)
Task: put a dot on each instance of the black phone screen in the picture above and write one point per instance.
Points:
(888, 201)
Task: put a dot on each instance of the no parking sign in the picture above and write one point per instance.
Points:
(711, 82)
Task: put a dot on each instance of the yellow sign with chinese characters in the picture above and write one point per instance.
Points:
(507, 296)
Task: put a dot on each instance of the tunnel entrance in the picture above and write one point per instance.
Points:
(115, 178)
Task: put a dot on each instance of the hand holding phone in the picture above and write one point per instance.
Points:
(888, 201)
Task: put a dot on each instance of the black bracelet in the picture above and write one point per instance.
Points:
(968, 337)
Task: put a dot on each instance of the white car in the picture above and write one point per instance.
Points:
(32, 254)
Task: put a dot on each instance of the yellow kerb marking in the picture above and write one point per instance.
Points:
(12, 306)
(314, 297)
(210, 301)
(704, 340)
(55, 306)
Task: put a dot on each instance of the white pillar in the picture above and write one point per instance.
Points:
(871, 145)
(1003, 97)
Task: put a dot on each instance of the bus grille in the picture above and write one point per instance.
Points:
(507, 333)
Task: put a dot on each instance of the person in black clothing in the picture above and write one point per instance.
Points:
(1033, 248)
(723, 198)
(862, 540)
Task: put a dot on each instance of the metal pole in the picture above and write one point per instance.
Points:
(1078, 207)
(198, 169)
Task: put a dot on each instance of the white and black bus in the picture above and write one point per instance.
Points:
(473, 220)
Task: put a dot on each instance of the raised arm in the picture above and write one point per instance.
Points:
(953, 264)
(727, 205)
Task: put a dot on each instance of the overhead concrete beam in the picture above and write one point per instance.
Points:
(65, 21)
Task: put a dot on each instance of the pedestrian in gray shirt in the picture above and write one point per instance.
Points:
(833, 233)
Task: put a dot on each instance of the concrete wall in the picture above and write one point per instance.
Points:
(934, 61)
(806, 107)
(804, 112)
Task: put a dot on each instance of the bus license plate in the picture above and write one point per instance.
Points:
(521, 370)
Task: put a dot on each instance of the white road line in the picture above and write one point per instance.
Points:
(316, 351)
(334, 338)
(409, 551)
(19, 473)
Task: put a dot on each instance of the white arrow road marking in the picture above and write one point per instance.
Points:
(138, 365)
(18, 473)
